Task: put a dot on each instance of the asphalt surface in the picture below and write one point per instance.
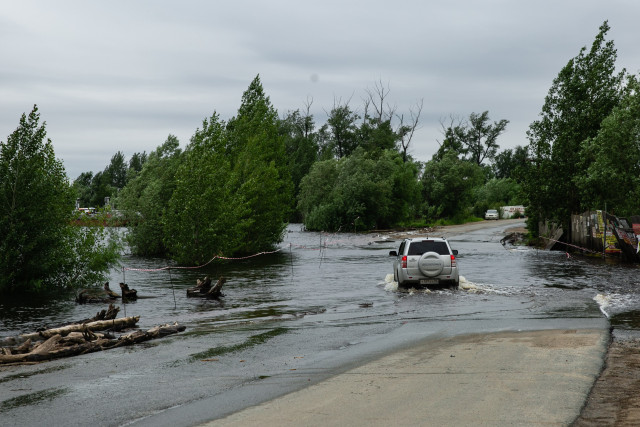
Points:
(504, 378)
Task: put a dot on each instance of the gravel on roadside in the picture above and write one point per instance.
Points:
(615, 397)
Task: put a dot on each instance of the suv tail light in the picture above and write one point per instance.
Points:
(453, 260)
(404, 261)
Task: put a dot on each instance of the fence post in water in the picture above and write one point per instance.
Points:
(604, 232)
(291, 259)
(175, 305)
(124, 280)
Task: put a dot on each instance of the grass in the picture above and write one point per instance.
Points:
(30, 374)
(31, 398)
(457, 221)
(250, 342)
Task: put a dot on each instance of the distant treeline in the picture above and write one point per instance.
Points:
(238, 183)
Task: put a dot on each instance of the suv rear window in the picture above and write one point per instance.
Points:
(418, 248)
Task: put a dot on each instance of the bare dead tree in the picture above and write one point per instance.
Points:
(308, 117)
(406, 132)
(377, 98)
(449, 123)
(365, 109)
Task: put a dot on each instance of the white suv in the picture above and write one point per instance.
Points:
(425, 261)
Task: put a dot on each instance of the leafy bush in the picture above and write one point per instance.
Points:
(448, 186)
(360, 191)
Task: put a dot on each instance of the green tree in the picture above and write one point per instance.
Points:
(612, 159)
(479, 138)
(40, 249)
(385, 129)
(315, 189)
(137, 161)
(261, 177)
(585, 92)
(93, 189)
(362, 191)
(406, 198)
(82, 187)
(342, 130)
(451, 142)
(203, 217)
(448, 186)
(101, 187)
(144, 199)
(135, 166)
(511, 164)
(301, 146)
(118, 171)
(230, 193)
(375, 135)
(495, 193)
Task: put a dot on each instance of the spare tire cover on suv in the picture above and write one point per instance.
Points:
(430, 264)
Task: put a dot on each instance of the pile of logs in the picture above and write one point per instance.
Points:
(204, 289)
(78, 338)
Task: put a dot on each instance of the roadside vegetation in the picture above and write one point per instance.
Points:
(584, 149)
(237, 183)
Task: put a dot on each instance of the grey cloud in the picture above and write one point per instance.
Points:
(123, 75)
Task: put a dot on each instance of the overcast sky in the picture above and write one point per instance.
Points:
(122, 75)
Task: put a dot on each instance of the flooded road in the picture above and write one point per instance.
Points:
(321, 304)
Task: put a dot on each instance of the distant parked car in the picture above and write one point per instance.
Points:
(491, 214)
(425, 261)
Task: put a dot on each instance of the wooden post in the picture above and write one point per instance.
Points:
(604, 232)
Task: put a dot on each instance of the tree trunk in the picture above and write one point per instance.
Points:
(204, 289)
(216, 290)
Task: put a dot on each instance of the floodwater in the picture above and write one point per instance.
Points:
(320, 304)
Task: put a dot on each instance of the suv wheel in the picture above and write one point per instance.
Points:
(430, 264)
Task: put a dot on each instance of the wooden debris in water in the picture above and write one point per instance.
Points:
(79, 338)
(203, 289)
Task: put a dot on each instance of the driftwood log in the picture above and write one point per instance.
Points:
(92, 296)
(128, 294)
(109, 313)
(105, 295)
(203, 289)
(109, 292)
(80, 342)
(100, 325)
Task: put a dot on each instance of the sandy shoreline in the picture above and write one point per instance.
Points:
(505, 378)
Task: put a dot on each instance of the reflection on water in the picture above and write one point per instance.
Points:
(345, 279)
